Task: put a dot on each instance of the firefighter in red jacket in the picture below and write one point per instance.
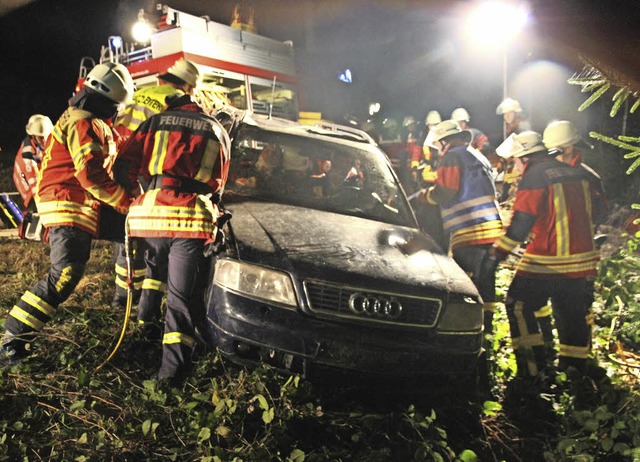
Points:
(466, 194)
(479, 140)
(181, 78)
(552, 205)
(514, 122)
(25, 169)
(561, 137)
(73, 191)
(184, 156)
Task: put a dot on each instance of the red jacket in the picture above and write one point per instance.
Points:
(73, 179)
(25, 169)
(184, 155)
(552, 209)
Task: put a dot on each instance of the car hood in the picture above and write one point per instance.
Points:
(348, 250)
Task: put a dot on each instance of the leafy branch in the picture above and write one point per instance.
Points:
(593, 80)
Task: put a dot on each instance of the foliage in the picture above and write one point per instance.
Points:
(57, 407)
(593, 80)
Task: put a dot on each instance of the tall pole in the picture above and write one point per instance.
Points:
(505, 83)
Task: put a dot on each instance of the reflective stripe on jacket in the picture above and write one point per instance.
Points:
(553, 209)
(181, 142)
(147, 101)
(25, 169)
(467, 196)
(73, 180)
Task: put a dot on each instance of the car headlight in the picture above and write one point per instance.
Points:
(255, 282)
(461, 316)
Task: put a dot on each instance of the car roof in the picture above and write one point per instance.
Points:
(340, 134)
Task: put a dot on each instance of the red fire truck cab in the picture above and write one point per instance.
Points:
(239, 67)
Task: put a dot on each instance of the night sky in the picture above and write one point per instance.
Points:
(404, 54)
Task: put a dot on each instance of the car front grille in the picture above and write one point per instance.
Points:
(370, 305)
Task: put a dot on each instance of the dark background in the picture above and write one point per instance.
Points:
(411, 56)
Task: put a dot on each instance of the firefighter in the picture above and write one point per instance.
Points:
(29, 156)
(466, 194)
(552, 204)
(181, 78)
(514, 122)
(561, 137)
(184, 156)
(424, 164)
(513, 116)
(74, 191)
(479, 140)
(423, 167)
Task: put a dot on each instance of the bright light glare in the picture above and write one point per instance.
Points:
(115, 41)
(494, 23)
(141, 31)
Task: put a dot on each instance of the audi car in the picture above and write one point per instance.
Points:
(324, 266)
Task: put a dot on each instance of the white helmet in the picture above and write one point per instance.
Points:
(460, 115)
(186, 71)
(433, 117)
(111, 80)
(509, 105)
(39, 125)
(559, 134)
(526, 143)
(444, 129)
(408, 120)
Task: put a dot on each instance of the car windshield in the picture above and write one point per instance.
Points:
(314, 173)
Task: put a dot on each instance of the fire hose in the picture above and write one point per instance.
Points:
(129, 305)
(214, 248)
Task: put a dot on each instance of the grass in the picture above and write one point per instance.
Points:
(56, 406)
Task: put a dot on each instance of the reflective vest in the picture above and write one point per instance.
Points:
(424, 159)
(600, 204)
(184, 155)
(553, 208)
(147, 101)
(73, 180)
(467, 196)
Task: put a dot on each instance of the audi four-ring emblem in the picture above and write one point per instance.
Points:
(369, 305)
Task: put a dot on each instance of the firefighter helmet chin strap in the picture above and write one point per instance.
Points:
(127, 313)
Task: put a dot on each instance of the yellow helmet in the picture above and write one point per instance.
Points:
(460, 115)
(186, 71)
(39, 125)
(433, 117)
(508, 105)
(525, 143)
(559, 134)
(445, 129)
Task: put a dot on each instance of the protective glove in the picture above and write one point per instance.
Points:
(217, 244)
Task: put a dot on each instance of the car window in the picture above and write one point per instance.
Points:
(314, 173)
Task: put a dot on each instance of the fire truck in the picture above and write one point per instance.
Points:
(240, 67)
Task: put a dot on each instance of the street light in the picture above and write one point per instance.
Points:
(493, 24)
(142, 30)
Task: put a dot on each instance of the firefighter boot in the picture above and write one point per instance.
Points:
(530, 361)
(14, 349)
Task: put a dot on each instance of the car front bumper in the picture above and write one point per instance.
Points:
(250, 331)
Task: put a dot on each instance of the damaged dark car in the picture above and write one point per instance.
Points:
(325, 267)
